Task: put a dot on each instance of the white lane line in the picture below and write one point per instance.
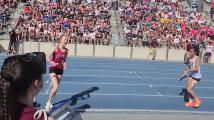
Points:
(149, 67)
(126, 67)
(139, 95)
(181, 86)
(127, 64)
(109, 76)
(138, 75)
(155, 90)
(173, 73)
(100, 70)
(122, 84)
(127, 84)
(185, 112)
(116, 61)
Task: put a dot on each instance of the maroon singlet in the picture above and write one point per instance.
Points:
(59, 57)
(26, 112)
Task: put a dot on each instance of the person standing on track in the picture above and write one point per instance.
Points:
(194, 77)
(208, 52)
(58, 64)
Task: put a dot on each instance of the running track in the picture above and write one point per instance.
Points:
(131, 85)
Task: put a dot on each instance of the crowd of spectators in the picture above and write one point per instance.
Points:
(212, 9)
(84, 21)
(163, 23)
(147, 23)
(6, 7)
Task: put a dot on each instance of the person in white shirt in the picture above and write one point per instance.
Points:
(208, 52)
(176, 42)
(194, 77)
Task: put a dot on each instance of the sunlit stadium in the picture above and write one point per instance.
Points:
(106, 59)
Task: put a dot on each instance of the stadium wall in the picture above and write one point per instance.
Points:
(161, 54)
(176, 55)
(122, 52)
(103, 51)
(140, 53)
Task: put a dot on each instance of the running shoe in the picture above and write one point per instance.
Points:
(48, 106)
(189, 104)
(197, 103)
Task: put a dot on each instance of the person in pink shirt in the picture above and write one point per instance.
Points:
(194, 32)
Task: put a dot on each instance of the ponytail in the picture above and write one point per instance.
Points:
(7, 101)
(17, 74)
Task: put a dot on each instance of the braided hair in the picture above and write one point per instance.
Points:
(17, 74)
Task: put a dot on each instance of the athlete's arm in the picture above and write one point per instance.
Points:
(186, 70)
(187, 67)
(197, 62)
(64, 63)
(66, 55)
(50, 55)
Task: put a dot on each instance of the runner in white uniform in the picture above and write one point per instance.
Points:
(194, 77)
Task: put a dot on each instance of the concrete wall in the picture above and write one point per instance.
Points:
(176, 55)
(212, 59)
(4, 44)
(84, 50)
(161, 54)
(122, 52)
(104, 51)
(30, 47)
(140, 53)
(47, 47)
(71, 48)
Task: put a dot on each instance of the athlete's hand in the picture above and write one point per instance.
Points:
(65, 66)
(53, 63)
(185, 71)
(50, 118)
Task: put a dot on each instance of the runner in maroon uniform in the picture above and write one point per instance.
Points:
(58, 65)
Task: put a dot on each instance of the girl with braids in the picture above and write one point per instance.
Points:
(21, 80)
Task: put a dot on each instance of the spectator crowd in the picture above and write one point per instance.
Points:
(83, 21)
(165, 23)
(147, 23)
(6, 7)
